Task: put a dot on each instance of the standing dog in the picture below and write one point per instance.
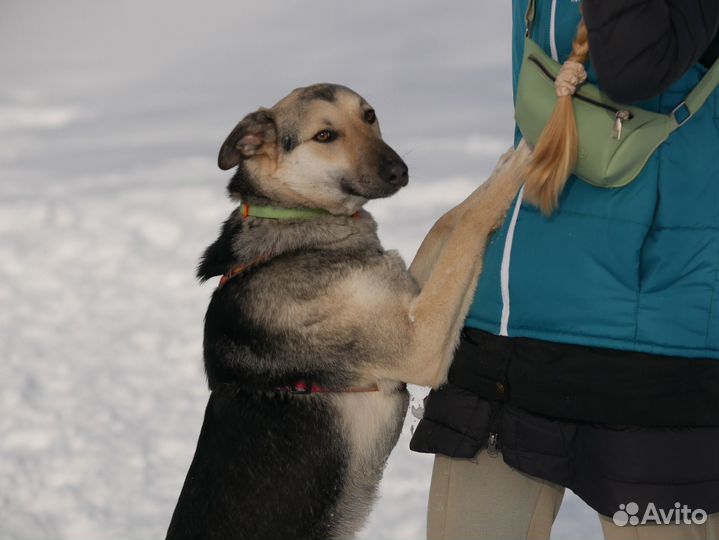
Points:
(315, 327)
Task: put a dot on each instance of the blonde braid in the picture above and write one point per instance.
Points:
(555, 153)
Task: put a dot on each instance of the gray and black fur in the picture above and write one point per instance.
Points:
(273, 464)
(329, 306)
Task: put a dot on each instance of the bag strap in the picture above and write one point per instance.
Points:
(687, 108)
(696, 98)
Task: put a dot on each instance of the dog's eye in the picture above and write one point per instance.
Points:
(370, 116)
(325, 136)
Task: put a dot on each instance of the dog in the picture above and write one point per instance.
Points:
(315, 328)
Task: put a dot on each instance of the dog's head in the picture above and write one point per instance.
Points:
(319, 147)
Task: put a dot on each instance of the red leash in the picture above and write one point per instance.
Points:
(301, 386)
(240, 268)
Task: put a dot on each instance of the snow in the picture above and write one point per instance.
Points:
(111, 115)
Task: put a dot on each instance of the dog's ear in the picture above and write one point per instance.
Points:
(254, 135)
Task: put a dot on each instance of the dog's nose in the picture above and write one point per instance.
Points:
(394, 172)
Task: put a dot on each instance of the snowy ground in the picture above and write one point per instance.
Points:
(111, 115)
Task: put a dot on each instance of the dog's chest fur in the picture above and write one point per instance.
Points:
(371, 425)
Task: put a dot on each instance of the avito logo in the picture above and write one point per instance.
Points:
(628, 514)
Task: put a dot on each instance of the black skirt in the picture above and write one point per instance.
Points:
(614, 427)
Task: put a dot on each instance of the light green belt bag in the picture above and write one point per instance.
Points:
(615, 140)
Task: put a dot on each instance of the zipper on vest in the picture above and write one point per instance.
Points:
(495, 411)
(492, 442)
(620, 115)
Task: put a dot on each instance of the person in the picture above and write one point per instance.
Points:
(590, 356)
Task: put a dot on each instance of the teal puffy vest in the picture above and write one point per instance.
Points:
(635, 268)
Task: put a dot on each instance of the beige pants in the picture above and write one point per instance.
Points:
(485, 498)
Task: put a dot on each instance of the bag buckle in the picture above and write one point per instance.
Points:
(688, 114)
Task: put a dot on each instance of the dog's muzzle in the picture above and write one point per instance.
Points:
(394, 172)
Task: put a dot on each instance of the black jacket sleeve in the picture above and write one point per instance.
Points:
(640, 47)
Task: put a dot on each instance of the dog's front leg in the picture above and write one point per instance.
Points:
(426, 257)
(438, 312)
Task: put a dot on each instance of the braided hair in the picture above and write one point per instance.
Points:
(555, 153)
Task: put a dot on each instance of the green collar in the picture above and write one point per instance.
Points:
(276, 212)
